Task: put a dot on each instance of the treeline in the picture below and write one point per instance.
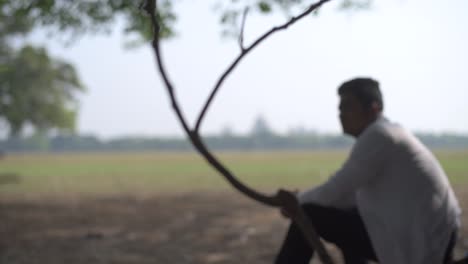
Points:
(71, 143)
(262, 141)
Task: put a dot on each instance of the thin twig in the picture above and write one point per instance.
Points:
(244, 52)
(241, 34)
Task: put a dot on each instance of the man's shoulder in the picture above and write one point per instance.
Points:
(384, 130)
(382, 127)
(393, 134)
(385, 127)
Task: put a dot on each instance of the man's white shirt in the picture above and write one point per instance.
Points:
(402, 194)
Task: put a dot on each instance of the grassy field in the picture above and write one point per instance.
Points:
(152, 173)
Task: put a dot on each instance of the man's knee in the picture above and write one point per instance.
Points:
(327, 218)
(332, 224)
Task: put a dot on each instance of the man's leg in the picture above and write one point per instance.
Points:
(295, 249)
(450, 247)
(341, 227)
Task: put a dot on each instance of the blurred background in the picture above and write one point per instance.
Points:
(94, 166)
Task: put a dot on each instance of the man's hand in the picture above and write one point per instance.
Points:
(285, 213)
(288, 207)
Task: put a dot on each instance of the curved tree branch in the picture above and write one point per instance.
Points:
(150, 7)
(212, 160)
(245, 51)
(193, 135)
(283, 198)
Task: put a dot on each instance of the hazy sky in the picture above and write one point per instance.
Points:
(417, 49)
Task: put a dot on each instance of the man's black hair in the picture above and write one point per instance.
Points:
(366, 91)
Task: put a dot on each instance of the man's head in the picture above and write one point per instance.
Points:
(361, 104)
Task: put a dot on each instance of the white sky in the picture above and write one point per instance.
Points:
(417, 49)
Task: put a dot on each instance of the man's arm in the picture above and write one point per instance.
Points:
(366, 159)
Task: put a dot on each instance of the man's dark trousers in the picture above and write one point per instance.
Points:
(344, 228)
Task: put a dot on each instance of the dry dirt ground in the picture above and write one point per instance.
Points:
(185, 228)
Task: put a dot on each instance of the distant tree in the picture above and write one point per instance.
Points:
(261, 128)
(37, 90)
(20, 17)
(79, 17)
(227, 131)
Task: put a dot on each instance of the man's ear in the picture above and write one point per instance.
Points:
(376, 108)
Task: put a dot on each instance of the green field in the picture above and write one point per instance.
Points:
(152, 173)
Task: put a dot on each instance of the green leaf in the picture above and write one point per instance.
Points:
(264, 7)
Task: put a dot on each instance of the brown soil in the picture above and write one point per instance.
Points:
(185, 228)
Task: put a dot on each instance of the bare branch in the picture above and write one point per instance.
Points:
(193, 135)
(241, 34)
(282, 198)
(244, 52)
(268, 200)
(150, 6)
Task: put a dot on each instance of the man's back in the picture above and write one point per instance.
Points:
(401, 192)
(409, 208)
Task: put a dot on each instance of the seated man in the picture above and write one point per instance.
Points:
(390, 202)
